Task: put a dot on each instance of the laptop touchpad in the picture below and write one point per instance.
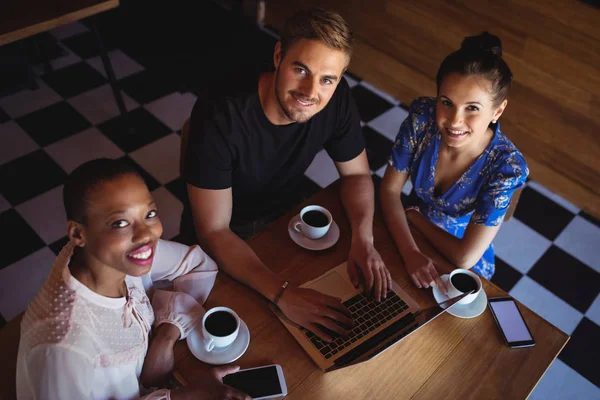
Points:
(334, 285)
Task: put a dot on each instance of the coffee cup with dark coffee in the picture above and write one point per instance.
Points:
(220, 327)
(463, 281)
(314, 222)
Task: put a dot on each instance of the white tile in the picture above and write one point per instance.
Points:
(560, 200)
(389, 122)
(408, 186)
(73, 151)
(20, 281)
(45, 214)
(351, 81)
(14, 142)
(99, 104)
(322, 170)
(379, 92)
(4, 204)
(26, 101)
(546, 304)
(593, 313)
(65, 31)
(581, 239)
(169, 211)
(122, 64)
(561, 382)
(519, 245)
(160, 158)
(173, 109)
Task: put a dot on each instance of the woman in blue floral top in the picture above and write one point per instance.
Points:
(464, 170)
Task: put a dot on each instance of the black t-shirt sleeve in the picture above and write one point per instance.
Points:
(209, 161)
(347, 141)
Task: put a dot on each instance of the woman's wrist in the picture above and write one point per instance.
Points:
(167, 332)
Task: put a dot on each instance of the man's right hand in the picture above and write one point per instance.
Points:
(314, 311)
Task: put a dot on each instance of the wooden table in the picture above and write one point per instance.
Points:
(459, 358)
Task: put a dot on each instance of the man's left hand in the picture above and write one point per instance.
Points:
(365, 260)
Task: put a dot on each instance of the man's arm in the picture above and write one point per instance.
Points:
(211, 211)
(358, 198)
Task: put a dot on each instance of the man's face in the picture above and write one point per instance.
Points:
(306, 77)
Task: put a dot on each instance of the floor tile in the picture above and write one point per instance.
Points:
(27, 101)
(380, 92)
(546, 304)
(542, 214)
(160, 158)
(69, 58)
(505, 277)
(74, 79)
(370, 105)
(562, 382)
(4, 204)
(567, 277)
(84, 45)
(58, 245)
(593, 313)
(23, 238)
(14, 142)
(147, 130)
(122, 64)
(173, 109)
(169, 211)
(350, 80)
(29, 176)
(16, 291)
(147, 86)
(46, 215)
(65, 31)
(322, 170)
(378, 148)
(150, 181)
(589, 218)
(99, 104)
(53, 123)
(177, 187)
(519, 245)
(389, 122)
(90, 144)
(582, 352)
(538, 187)
(580, 239)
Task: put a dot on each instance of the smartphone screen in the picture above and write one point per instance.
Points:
(256, 382)
(511, 322)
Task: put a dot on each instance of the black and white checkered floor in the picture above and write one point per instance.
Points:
(547, 255)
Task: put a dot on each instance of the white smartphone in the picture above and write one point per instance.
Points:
(512, 324)
(259, 383)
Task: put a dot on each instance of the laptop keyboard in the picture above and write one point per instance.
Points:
(367, 314)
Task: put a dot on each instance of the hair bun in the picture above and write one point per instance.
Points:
(484, 42)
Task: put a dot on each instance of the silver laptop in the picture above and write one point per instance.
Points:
(378, 326)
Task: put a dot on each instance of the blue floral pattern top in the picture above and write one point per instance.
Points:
(480, 196)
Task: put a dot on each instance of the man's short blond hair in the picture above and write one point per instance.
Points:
(317, 24)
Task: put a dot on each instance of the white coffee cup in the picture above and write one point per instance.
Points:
(313, 232)
(212, 340)
(454, 292)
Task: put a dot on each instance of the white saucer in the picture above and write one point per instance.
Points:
(195, 342)
(471, 310)
(330, 238)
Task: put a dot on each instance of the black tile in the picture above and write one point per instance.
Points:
(29, 176)
(57, 246)
(542, 214)
(23, 239)
(53, 123)
(351, 75)
(588, 217)
(2, 321)
(146, 129)
(583, 351)
(150, 181)
(148, 85)
(567, 277)
(84, 45)
(378, 148)
(505, 277)
(369, 104)
(178, 189)
(74, 79)
(3, 116)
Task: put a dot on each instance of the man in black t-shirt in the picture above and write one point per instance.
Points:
(248, 147)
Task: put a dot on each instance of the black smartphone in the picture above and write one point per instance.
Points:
(511, 323)
(259, 383)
